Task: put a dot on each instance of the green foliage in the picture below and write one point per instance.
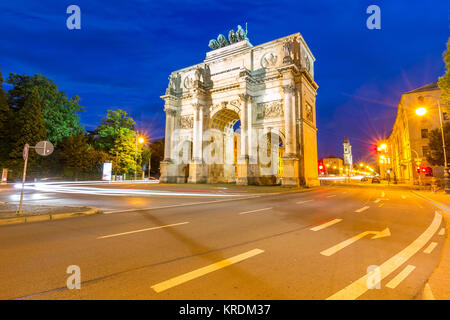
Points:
(436, 155)
(116, 125)
(117, 137)
(60, 113)
(79, 157)
(30, 129)
(444, 81)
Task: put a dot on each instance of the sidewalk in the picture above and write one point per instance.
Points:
(34, 213)
(438, 285)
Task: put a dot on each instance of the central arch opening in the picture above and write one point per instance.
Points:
(226, 125)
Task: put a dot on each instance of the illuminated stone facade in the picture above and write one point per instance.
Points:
(223, 113)
(406, 147)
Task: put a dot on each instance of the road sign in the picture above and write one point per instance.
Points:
(44, 148)
(25, 151)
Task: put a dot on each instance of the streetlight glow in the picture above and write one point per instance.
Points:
(421, 111)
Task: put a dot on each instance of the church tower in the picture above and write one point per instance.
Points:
(348, 159)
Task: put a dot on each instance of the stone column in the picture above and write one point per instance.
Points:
(197, 134)
(168, 169)
(291, 171)
(170, 115)
(289, 126)
(244, 125)
(196, 167)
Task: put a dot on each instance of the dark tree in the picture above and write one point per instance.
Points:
(30, 128)
(436, 154)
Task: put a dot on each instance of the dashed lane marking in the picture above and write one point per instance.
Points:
(362, 209)
(257, 210)
(142, 230)
(430, 248)
(325, 225)
(205, 270)
(331, 196)
(400, 277)
(378, 200)
(305, 201)
(441, 232)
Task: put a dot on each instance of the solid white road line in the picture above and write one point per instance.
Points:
(441, 232)
(400, 277)
(359, 287)
(325, 225)
(205, 270)
(142, 230)
(305, 201)
(331, 196)
(430, 248)
(378, 200)
(257, 210)
(362, 209)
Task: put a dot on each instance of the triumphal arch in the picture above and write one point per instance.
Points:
(245, 115)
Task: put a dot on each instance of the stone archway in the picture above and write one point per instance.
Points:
(225, 169)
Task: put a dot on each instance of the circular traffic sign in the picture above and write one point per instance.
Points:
(44, 148)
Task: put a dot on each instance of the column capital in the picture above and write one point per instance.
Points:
(245, 97)
(289, 89)
(170, 111)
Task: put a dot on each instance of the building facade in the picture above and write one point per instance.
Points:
(348, 157)
(406, 148)
(244, 115)
(333, 165)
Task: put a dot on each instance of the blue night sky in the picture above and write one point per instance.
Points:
(125, 51)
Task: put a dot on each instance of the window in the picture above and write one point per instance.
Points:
(424, 133)
(425, 151)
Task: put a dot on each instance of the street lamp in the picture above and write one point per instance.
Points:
(420, 112)
(141, 140)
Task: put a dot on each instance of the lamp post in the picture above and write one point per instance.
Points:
(140, 140)
(420, 112)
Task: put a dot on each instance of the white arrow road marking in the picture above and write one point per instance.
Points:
(300, 202)
(257, 210)
(205, 270)
(378, 200)
(377, 234)
(362, 209)
(359, 287)
(400, 277)
(141, 230)
(430, 248)
(382, 194)
(325, 225)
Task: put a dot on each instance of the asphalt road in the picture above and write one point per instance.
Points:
(225, 245)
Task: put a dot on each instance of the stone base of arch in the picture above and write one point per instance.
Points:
(197, 173)
(290, 172)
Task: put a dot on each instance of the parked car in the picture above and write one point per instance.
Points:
(364, 179)
(376, 180)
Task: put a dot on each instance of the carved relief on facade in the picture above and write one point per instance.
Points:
(269, 60)
(186, 122)
(309, 114)
(269, 110)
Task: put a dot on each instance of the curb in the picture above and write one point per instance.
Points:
(49, 217)
(427, 292)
